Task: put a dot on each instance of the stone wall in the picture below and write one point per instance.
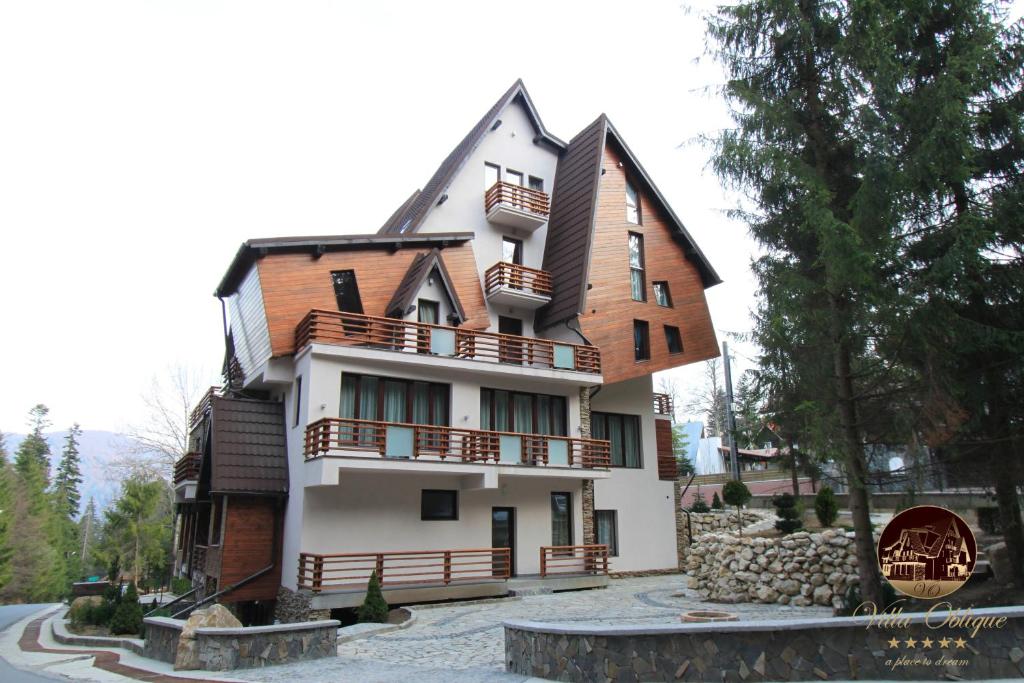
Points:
(224, 649)
(799, 569)
(293, 607)
(842, 648)
(702, 523)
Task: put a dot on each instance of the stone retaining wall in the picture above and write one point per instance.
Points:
(224, 649)
(798, 569)
(841, 648)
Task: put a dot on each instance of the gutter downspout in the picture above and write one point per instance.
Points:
(224, 322)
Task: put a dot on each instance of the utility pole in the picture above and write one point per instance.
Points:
(730, 419)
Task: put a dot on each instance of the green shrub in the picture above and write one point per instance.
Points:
(180, 585)
(374, 608)
(716, 502)
(825, 506)
(127, 616)
(698, 504)
(735, 493)
(786, 511)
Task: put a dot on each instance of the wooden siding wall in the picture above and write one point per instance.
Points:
(610, 310)
(667, 468)
(249, 323)
(293, 284)
(252, 540)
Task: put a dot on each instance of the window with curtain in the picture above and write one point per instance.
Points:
(623, 433)
(506, 411)
(636, 267)
(641, 340)
(561, 519)
(662, 296)
(366, 397)
(607, 530)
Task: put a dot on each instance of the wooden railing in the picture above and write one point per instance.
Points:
(204, 405)
(663, 404)
(573, 559)
(515, 276)
(403, 440)
(354, 329)
(345, 571)
(187, 468)
(523, 198)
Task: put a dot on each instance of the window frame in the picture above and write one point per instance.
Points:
(568, 509)
(338, 295)
(639, 271)
(613, 546)
(452, 493)
(433, 389)
(678, 337)
(535, 183)
(497, 175)
(642, 344)
(297, 401)
(663, 285)
(558, 422)
(599, 421)
(517, 250)
(518, 174)
(632, 194)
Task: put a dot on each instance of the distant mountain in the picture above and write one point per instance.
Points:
(96, 448)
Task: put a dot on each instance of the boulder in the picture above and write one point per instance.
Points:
(215, 616)
(823, 595)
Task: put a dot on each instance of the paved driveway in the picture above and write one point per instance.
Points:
(11, 614)
(465, 642)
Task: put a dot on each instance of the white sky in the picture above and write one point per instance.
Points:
(142, 142)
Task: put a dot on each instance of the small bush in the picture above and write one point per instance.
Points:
(180, 585)
(374, 608)
(786, 511)
(825, 507)
(735, 493)
(716, 502)
(698, 504)
(127, 616)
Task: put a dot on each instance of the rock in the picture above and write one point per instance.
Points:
(800, 601)
(839, 541)
(999, 561)
(766, 594)
(817, 580)
(215, 616)
(823, 595)
(747, 554)
(789, 587)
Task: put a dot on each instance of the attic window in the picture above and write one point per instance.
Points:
(347, 291)
(632, 205)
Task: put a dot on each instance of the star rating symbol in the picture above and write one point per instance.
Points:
(944, 642)
(960, 643)
(927, 642)
(894, 642)
(910, 643)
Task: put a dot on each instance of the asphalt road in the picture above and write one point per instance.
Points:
(11, 614)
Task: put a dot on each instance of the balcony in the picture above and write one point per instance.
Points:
(432, 442)
(422, 342)
(663, 405)
(517, 207)
(186, 476)
(511, 284)
(202, 409)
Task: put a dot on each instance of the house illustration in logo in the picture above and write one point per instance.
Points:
(934, 552)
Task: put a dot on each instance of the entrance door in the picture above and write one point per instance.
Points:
(503, 535)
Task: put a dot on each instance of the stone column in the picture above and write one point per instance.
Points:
(589, 530)
(682, 536)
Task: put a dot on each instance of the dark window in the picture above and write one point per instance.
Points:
(436, 504)
(673, 339)
(561, 519)
(636, 267)
(492, 174)
(623, 431)
(508, 411)
(298, 399)
(632, 205)
(346, 291)
(512, 250)
(641, 340)
(510, 350)
(661, 294)
(608, 530)
(536, 183)
(365, 397)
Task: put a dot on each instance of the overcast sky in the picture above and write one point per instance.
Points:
(142, 142)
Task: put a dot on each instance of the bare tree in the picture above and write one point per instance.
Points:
(709, 400)
(669, 386)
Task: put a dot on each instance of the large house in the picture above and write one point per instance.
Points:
(459, 400)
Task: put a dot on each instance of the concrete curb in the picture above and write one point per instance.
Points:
(59, 629)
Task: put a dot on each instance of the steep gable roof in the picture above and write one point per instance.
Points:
(412, 213)
(420, 268)
(571, 223)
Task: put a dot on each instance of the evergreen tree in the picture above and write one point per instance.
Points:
(825, 506)
(88, 528)
(137, 527)
(374, 608)
(69, 473)
(34, 448)
(6, 512)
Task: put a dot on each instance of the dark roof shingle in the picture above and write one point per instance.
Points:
(418, 271)
(248, 449)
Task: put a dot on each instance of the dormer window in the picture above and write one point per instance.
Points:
(632, 205)
(346, 291)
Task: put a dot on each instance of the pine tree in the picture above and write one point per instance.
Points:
(69, 473)
(88, 527)
(6, 512)
(35, 449)
(374, 608)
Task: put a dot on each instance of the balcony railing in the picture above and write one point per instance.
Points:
(516, 196)
(402, 441)
(354, 329)
(187, 468)
(351, 571)
(518, 277)
(202, 407)
(573, 559)
(663, 404)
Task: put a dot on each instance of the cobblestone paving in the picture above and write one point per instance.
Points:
(465, 642)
